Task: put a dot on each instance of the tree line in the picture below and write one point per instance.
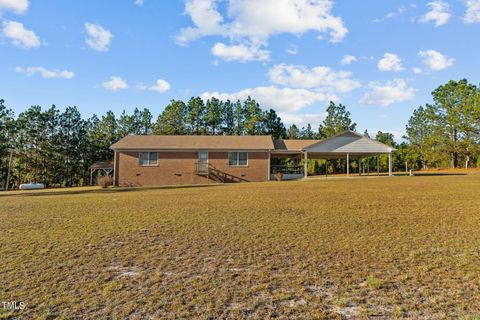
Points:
(446, 133)
(57, 148)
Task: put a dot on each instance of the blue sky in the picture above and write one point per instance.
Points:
(380, 58)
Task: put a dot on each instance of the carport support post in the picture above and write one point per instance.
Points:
(348, 165)
(269, 165)
(390, 164)
(378, 165)
(305, 166)
(359, 166)
(326, 168)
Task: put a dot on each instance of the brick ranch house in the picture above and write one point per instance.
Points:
(166, 160)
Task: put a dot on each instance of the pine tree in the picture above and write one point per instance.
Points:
(337, 120)
(420, 135)
(7, 133)
(229, 118)
(454, 114)
(72, 134)
(386, 138)
(214, 115)
(172, 120)
(293, 132)
(108, 135)
(145, 125)
(273, 125)
(196, 116)
(253, 116)
(239, 119)
(126, 125)
(307, 133)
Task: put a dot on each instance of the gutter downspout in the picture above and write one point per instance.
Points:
(305, 166)
(115, 171)
(390, 164)
(269, 160)
(348, 165)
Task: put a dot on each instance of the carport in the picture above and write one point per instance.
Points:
(347, 145)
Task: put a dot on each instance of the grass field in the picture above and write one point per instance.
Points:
(401, 247)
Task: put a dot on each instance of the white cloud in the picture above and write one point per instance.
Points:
(417, 70)
(254, 22)
(19, 35)
(473, 11)
(256, 19)
(17, 6)
(389, 93)
(281, 99)
(292, 49)
(115, 83)
(302, 119)
(139, 3)
(390, 62)
(347, 60)
(390, 15)
(320, 78)
(46, 73)
(98, 38)
(239, 52)
(205, 17)
(160, 86)
(439, 13)
(141, 86)
(435, 60)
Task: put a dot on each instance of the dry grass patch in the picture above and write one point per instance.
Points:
(403, 247)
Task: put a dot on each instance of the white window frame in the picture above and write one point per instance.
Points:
(148, 157)
(238, 159)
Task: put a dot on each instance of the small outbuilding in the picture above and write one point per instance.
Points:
(104, 166)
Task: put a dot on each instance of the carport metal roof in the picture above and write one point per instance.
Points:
(346, 143)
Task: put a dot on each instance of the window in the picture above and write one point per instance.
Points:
(147, 158)
(237, 158)
(203, 156)
(242, 158)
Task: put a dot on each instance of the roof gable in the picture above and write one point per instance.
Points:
(349, 142)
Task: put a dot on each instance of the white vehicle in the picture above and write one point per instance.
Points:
(31, 186)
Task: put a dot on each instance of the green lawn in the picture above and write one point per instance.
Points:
(404, 247)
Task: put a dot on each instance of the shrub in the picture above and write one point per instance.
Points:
(105, 181)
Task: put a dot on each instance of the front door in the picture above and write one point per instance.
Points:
(203, 161)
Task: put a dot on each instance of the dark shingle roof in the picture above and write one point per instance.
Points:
(292, 145)
(158, 142)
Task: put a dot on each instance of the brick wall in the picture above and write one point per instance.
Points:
(179, 167)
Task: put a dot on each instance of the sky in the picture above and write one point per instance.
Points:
(382, 59)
